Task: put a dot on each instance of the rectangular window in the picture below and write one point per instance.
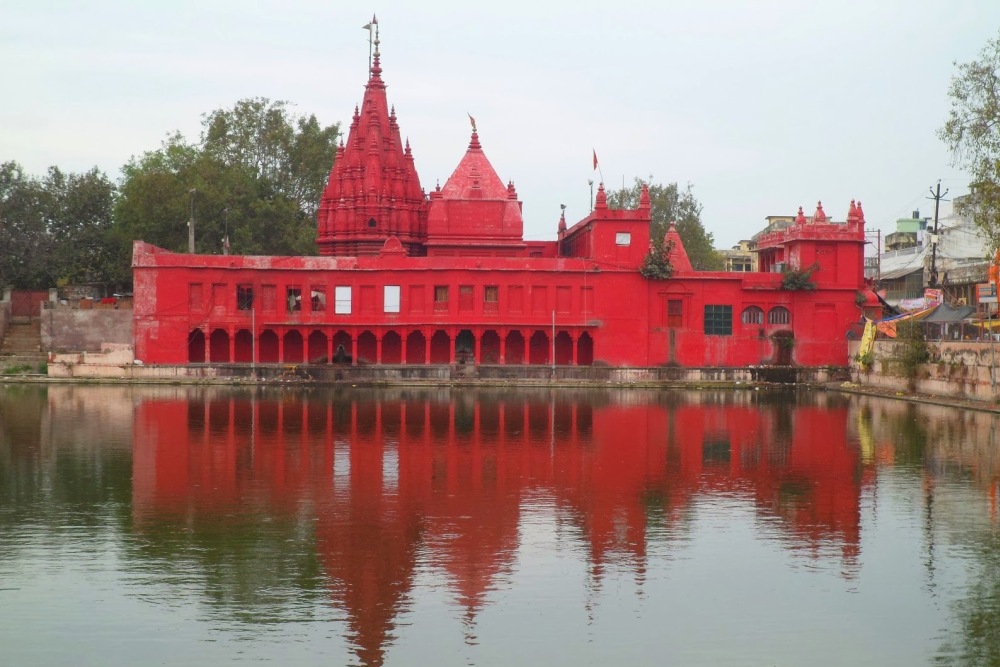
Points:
(342, 299)
(244, 297)
(268, 297)
(564, 299)
(465, 298)
(623, 238)
(390, 299)
(417, 299)
(218, 295)
(588, 300)
(440, 297)
(368, 299)
(194, 296)
(516, 294)
(718, 320)
(539, 299)
(491, 298)
(293, 298)
(675, 313)
(317, 298)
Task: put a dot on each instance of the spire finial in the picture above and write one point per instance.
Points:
(472, 120)
(368, 26)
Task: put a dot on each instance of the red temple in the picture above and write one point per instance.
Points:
(408, 278)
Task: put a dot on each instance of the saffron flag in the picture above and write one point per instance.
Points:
(595, 159)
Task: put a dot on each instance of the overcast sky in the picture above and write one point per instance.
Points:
(761, 105)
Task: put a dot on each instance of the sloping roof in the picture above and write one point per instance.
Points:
(895, 274)
(946, 313)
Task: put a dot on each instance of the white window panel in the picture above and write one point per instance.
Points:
(342, 300)
(390, 299)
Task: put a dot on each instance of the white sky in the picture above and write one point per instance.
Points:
(762, 105)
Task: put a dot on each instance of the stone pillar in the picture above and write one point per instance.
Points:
(378, 351)
(451, 347)
(427, 348)
(404, 335)
(575, 339)
(232, 345)
(354, 349)
(477, 349)
(281, 346)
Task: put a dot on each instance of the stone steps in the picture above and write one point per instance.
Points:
(23, 339)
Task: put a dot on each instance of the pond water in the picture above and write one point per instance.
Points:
(210, 526)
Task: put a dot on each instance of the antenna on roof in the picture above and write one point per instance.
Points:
(368, 27)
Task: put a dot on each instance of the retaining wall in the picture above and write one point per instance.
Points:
(81, 330)
(960, 369)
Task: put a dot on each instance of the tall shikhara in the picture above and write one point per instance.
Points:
(373, 191)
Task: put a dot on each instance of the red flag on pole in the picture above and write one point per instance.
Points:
(595, 159)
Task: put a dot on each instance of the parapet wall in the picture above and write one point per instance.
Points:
(960, 369)
(81, 330)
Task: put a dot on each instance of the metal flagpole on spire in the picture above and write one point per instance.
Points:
(368, 27)
(597, 166)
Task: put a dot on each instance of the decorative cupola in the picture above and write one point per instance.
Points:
(820, 216)
(601, 203)
(373, 191)
(800, 219)
(644, 204)
(861, 213)
(474, 212)
(852, 213)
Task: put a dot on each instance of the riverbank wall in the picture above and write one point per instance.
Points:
(115, 362)
(959, 369)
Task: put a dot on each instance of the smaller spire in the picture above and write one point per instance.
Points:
(820, 215)
(511, 192)
(800, 219)
(644, 204)
(602, 198)
(852, 212)
(861, 213)
(562, 220)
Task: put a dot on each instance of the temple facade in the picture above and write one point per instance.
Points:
(406, 277)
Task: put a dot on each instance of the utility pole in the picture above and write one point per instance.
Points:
(936, 196)
(225, 238)
(191, 224)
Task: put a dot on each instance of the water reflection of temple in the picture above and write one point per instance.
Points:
(437, 481)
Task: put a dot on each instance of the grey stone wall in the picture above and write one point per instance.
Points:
(74, 330)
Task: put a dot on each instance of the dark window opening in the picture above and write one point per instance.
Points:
(244, 297)
(293, 296)
(718, 320)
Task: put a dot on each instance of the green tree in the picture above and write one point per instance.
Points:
(670, 203)
(56, 229)
(258, 171)
(972, 132)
